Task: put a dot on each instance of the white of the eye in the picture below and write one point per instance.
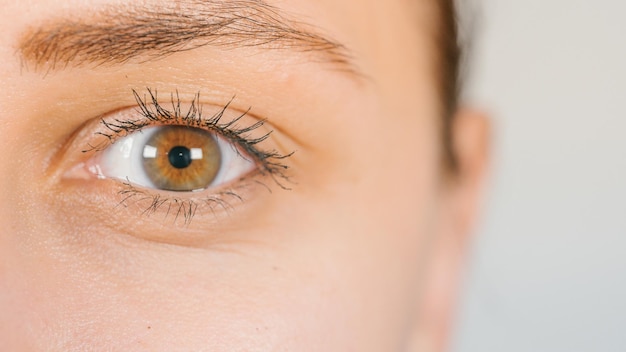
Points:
(124, 159)
(126, 148)
(233, 165)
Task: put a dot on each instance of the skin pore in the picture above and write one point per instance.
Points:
(347, 235)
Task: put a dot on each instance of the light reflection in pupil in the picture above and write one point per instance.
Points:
(180, 157)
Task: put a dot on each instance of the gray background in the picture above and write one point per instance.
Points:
(548, 268)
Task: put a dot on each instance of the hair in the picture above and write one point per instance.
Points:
(449, 61)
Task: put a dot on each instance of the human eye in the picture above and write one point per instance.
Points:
(173, 158)
(172, 154)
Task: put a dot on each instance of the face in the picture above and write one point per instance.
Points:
(237, 176)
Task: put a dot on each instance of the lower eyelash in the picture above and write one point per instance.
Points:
(181, 207)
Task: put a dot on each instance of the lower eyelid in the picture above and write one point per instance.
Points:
(190, 219)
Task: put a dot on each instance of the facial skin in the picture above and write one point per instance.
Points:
(356, 249)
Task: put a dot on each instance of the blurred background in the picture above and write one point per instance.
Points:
(547, 271)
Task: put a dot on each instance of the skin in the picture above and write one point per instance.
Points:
(362, 253)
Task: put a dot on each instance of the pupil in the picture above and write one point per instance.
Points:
(179, 157)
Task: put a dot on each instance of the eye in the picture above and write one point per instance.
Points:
(173, 158)
(178, 158)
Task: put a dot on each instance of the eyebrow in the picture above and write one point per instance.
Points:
(116, 35)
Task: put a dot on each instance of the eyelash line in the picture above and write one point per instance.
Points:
(184, 207)
(152, 112)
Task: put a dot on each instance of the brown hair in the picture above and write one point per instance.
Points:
(449, 61)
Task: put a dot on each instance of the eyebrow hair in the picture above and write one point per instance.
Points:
(116, 35)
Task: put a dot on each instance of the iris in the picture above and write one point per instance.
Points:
(181, 158)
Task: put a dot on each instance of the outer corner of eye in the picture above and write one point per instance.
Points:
(172, 158)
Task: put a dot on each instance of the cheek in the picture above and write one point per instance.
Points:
(317, 299)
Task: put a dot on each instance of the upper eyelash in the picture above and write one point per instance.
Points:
(152, 111)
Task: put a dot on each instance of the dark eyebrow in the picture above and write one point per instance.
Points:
(116, 35)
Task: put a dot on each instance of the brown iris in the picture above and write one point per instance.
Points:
(180, 158)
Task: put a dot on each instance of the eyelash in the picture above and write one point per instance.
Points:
(269, 162)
